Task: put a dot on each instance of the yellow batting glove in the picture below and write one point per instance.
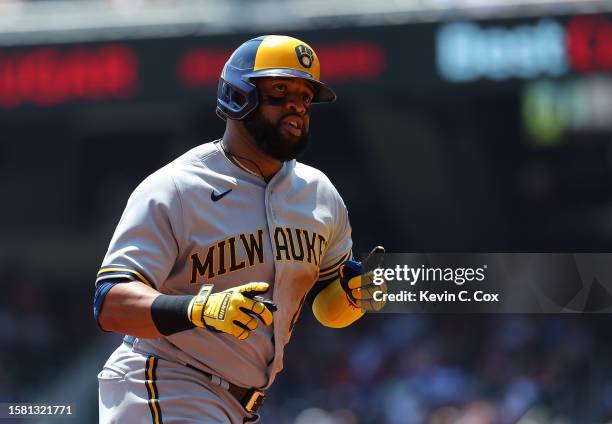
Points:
(232, 311)
(360, 288)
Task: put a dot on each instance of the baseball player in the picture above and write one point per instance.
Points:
(216, 253)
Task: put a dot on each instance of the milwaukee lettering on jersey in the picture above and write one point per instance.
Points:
(295, 244)
(245, 250)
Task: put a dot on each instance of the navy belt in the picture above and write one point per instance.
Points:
(250, 399)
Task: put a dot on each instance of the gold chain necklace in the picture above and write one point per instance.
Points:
(235, 160)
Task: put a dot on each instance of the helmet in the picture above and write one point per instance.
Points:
(266, 56)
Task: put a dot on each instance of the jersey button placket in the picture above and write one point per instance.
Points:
(271, 219)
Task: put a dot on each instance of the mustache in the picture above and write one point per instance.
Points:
(287, 114)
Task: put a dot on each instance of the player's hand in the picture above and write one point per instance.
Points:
(356, 279)
(231, 311)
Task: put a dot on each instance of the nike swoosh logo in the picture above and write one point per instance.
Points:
(215, 197)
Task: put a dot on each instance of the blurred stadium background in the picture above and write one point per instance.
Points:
(461, 126)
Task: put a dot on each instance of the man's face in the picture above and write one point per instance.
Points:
(280, 124)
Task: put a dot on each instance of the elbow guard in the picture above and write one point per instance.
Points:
(332, 308)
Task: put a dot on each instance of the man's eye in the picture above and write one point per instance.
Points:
(279, 88)
(307, 100)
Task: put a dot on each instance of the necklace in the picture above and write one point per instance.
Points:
(237, 162)
(241, 166)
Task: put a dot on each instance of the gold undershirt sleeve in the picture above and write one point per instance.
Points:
(332, 308)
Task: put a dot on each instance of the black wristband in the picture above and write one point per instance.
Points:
(169, 314)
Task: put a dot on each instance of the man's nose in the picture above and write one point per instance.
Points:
(295, 104)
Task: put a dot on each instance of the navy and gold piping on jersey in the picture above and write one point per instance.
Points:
(331, 270)
(152, 392)
(120, 272)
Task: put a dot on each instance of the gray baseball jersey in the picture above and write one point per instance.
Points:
(202, 219)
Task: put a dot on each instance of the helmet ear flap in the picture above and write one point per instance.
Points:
(237, 98)
(223, 97)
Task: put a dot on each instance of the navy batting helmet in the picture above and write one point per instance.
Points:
(266, 56)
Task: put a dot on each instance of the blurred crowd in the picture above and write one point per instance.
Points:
(385, 369)
(45, 327)
(437, 369)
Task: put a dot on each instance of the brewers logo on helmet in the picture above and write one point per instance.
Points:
(266, 56)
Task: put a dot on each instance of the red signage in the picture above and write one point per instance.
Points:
(589, 43)
(49, 76)
(348, 61)
(201, 67)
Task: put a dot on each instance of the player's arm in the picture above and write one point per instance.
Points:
(346, 299)
(332, 307)
(126, 309)
(138, 310)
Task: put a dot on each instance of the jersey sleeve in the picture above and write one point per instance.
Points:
(340, 245)
(146, 241)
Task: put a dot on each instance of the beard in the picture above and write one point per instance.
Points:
(269, 139)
